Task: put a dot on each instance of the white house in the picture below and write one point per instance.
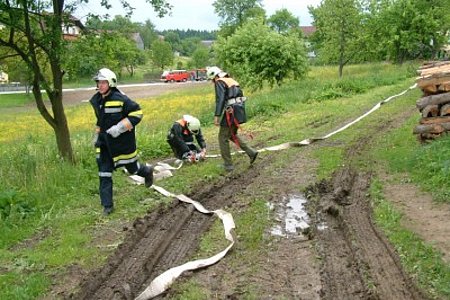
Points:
(4, 78)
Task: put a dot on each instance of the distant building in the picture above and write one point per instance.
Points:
(207, 43)
(308, 30)
(72, 29)
(138, 40)
(4, 78)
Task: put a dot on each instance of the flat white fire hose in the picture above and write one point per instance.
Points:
(163, 169)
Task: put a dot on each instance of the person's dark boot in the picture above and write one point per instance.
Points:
(253, 157)
(149, 177)
(108, 210)
(228, 168)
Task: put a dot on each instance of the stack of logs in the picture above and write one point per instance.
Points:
(434, 80)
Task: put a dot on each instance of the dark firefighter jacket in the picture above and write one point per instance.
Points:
(227, 88)
(110, 111)
(180, 138)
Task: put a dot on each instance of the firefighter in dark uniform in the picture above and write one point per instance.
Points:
(229, 114)
(181, 139)
(115, 141)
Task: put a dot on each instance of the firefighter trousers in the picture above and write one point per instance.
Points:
(105, 170)
(225, 136)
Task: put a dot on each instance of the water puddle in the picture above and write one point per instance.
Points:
(291, 217)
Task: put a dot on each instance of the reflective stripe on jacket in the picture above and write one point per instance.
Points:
(109, 111)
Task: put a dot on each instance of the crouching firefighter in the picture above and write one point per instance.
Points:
(229, 114)
(115, 141)
(181, 139)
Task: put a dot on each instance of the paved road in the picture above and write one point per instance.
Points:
(134, 91)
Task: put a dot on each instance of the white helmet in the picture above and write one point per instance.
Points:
(108, 75)
(212, 72)
(192, 124)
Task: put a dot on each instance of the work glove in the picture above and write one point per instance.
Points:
(119, 128)
(95, 137)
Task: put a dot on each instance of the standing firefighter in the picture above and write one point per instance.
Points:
(181, 139)
(229, 114)
(115, 140)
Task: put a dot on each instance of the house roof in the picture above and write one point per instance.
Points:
(308, 30)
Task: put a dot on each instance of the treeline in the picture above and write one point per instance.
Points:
(191, 33)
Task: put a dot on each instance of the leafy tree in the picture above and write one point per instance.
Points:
(339, 31)
(406, 29)
(191, 33)
(234, 13)
(200, 58)
(148, 33)
(173, 39)
(33, 32)
(127, 55)
(94, 51)
(257, 54)
(283, 21)
(189, 45)
(162, 54)
(118, 24)
(16, 69)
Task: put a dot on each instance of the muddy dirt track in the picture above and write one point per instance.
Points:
(342, 256)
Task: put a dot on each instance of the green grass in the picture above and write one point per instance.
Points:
(15, 100)
(428, 165)
(419, 258)
(49, 209)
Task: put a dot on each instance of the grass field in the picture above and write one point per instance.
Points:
(49, 209)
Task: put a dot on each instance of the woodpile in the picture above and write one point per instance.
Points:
(434, 106)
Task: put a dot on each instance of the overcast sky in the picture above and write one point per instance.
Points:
(193, 14)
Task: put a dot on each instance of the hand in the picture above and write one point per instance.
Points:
(95, 137)
(216, 120)
(203, 154)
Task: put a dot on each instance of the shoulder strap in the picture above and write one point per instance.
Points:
(229, 81)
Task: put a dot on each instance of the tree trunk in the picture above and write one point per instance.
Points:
(58, 121)
(62, 135)
(432, 128)
(434, 120)
(433, 100)
(62, 132)
(445, 110)
(430, 111)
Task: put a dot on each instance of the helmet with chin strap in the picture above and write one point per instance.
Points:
(192, 124)
(212, 72)
(107, 75)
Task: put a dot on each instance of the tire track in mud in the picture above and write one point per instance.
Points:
(358, 262)
(159, 241)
